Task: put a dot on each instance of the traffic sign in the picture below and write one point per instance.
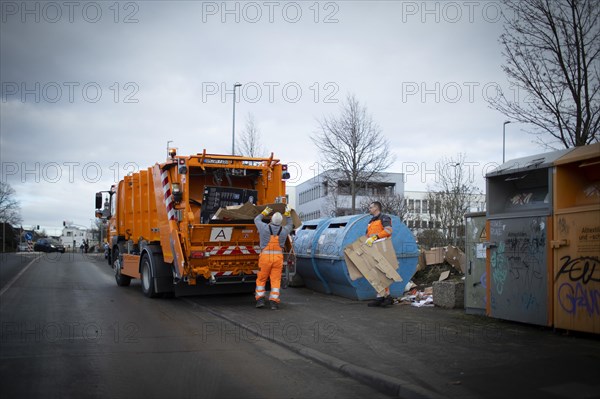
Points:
(28, 236)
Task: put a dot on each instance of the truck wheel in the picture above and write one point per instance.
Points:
(146, 275)
(122, 281)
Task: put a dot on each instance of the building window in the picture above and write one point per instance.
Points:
(311, 215)
(343, 188)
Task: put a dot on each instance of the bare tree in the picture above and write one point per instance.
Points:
(552, 49)
(430, 238)
(332, 203)
(451, 197)
(352, 144)
(10, 211)
(250, 144)
(392, 204)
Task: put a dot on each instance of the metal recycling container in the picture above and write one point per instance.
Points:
(304, 247)
(335, 234)
(519, 223)
(576, 243)
(475, 251)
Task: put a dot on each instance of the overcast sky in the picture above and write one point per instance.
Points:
(92, 90)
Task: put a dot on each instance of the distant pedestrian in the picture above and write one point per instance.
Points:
(270, 261)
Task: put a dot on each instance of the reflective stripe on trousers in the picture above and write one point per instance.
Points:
(274, 296)
(260, 291)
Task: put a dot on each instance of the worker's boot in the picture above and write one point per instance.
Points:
(387, 301)
(274, 305)
(376, 302)
(260, 303)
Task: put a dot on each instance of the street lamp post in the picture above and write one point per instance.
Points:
(504, 138)
(455, 205)
(233, 132)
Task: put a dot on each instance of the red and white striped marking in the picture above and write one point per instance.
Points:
(234, 250)
(169, 202)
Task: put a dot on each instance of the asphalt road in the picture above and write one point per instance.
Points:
(67, 330)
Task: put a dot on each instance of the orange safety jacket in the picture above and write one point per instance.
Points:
(377, 226)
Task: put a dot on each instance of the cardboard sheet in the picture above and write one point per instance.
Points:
(248, 211)
(377, 264)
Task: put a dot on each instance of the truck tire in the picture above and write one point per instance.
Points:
(122, 281)
(147, 277)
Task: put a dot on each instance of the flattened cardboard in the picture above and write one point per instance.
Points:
(237, 212)
(434, 256)
(353, 271)
(444, 275)
(377, 264)
(248, 211)
(456, 258)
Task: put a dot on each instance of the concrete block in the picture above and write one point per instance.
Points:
(449, 294)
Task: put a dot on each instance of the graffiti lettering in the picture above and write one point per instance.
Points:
(528, 300)
(531, 245)
(584, 268)
(571, 299)
(499, 268)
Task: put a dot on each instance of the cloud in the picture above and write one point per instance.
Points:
(100, 95)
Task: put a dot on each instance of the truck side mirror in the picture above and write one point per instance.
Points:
(98, 200)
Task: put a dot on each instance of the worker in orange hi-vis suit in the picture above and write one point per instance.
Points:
(270, 261)
(380, 226)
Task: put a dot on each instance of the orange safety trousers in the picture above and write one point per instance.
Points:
(270, 262)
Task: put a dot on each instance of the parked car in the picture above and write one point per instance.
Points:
(23, 247)
(48, 245)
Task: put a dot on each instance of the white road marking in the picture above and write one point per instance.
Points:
(11, 282)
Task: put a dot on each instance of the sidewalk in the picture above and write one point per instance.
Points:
(422, 352)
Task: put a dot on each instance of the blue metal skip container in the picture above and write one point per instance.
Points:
(305, 245)
(321, 261)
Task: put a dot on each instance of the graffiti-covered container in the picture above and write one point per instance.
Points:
(576, 241)
(519, 224)
(475, 252)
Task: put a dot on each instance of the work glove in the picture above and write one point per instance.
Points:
(266, 211)
(371, 240)
(288, 211)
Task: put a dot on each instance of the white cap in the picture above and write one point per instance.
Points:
(276, 219)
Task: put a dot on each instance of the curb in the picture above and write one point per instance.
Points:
(383, 383)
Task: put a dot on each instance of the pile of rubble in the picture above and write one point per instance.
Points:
(439, 270)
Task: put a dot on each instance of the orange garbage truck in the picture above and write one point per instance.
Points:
(171, 225)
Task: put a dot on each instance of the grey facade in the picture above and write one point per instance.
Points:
(327, 192)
